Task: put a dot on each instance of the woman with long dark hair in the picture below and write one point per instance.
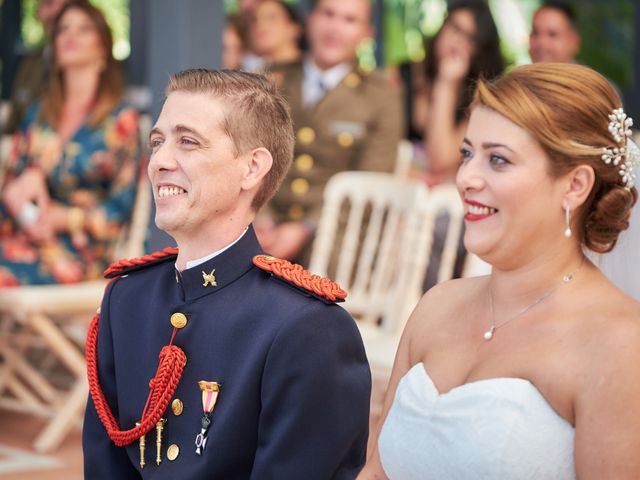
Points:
(465, 48)
(70, 183)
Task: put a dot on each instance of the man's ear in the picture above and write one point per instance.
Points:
(580, 181)
(258, 164)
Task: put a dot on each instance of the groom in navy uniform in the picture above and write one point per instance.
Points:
(213, 360)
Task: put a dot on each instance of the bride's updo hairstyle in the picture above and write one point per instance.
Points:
(566, 108)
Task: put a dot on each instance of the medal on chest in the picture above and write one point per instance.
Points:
(210, 391)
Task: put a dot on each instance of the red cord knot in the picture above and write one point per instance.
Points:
(161, 389)
(293, 273)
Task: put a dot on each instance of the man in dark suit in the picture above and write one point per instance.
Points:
(345, 119)
(261, 375)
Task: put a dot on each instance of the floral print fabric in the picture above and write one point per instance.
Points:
(95, 170)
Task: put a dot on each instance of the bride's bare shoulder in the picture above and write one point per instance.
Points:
(453, 293)
(449, 300)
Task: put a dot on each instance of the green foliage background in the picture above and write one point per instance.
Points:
(607, 32)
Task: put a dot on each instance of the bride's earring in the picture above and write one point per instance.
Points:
(567, 219)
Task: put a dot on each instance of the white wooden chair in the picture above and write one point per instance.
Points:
(383, 254)
(55, 317)
(404, 159)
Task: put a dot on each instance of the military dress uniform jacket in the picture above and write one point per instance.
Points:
(295, 382)
(356, 126)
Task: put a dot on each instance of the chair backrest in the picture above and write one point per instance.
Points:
(404, 159)
(131, 242)
(383, 244)
(445, 200)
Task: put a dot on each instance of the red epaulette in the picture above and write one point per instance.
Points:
(318, 286)
(126, 266)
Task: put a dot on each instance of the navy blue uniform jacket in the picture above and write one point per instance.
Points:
(295, 382)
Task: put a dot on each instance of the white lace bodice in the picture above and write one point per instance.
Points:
(499, 428)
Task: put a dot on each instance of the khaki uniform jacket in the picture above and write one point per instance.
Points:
(356, 126)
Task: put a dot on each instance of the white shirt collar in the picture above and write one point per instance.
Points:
(331, 77)
(317, 82)
(195, 263)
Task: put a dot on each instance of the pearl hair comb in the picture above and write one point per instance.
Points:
(626, 156)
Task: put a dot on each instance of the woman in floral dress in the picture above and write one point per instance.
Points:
(69, 185)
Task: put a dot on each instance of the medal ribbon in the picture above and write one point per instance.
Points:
(210, 392)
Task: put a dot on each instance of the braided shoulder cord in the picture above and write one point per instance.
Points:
(294, 273)
(121, 265)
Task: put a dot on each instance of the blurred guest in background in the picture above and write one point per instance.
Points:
(345, 119)
(233, 43)
(275, 32)
(33, 70)
(554, 36)
(72, 175)
(466, 47)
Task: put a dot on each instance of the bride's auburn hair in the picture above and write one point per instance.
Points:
(566, 108)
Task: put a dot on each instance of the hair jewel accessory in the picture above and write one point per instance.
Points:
(626, 155)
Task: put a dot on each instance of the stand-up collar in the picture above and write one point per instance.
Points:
(218, 272)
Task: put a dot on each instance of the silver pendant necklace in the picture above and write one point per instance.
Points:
(488, 335)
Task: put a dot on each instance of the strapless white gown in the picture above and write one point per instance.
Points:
(499, 428)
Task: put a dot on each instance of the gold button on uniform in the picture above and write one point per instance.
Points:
(299, 186)
(345, 139)
(296, 212)
(304, 162)
(177, 407)
(306, 135)
(178, 320)
(173, 451)
(352, 80)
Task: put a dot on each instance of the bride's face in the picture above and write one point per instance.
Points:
(513, 207)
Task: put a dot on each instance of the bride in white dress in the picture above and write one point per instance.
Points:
(532, 372)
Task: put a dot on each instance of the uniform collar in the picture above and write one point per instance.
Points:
(199, 261)
(221, 270)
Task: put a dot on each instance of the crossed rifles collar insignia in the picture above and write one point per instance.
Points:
(209, 278)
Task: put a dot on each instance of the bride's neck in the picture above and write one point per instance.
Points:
(516, 286)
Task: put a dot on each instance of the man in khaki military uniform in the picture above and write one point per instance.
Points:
(344, 118)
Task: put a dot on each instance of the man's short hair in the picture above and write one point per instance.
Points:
(564, 7)
(255, 115)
